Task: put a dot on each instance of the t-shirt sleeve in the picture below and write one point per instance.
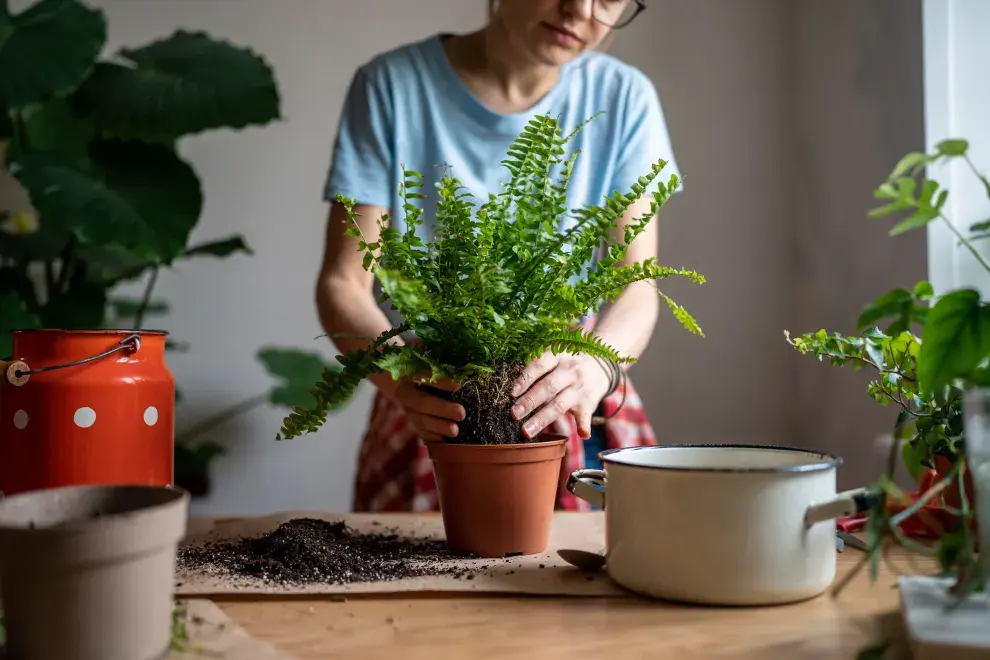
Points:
(645, 137)
(361, 167)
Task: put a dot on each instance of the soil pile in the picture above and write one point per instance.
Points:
(309, 551)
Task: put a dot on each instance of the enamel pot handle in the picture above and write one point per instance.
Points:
(849, 503)
(589, 485)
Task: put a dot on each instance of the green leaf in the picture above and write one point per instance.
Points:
(952, 147)
(916, 220)
(923, 290)
(194, 457)
(181, 85)
(955, 340)
(14, 316)
(112, 264)
(44, 244)
(140, 197)
(911, 164)
(296, 372)
(682, 315)
(895, 302)
(220, 248)
(980, 226)
(177, 346)
(83, 306)
(53, 127)
(47, 50)
(914, 455)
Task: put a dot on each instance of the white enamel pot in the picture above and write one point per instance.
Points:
(719, 524)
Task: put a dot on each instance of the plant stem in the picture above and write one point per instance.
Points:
(50, 286)
(925, 498)
(979, 175)
(221, 418)
(969, 246)
(145, 299)
(68, 259)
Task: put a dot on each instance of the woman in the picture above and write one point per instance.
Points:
(461, 100)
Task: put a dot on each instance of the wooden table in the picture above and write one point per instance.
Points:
(489, 626)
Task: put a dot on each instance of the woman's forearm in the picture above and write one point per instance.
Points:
(627, 323)
(352, 319)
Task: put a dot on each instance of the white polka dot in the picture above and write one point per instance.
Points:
(150, 415)
(84, 417)
(20, 419)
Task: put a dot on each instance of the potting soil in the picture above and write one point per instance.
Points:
(308, 550)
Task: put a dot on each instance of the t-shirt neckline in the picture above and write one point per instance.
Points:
(507, 124)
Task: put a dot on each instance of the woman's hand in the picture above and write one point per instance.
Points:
(431, 416)
(553, 385)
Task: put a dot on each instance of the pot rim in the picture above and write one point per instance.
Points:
(170, 498)
(92, 331)
(827, 462)
(550, 438)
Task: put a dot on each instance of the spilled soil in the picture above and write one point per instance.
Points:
(312, 551)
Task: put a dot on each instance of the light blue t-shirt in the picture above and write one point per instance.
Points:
(408, 108)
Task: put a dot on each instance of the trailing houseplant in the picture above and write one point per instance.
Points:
(498, 286)
(94, 145)
(925, 374)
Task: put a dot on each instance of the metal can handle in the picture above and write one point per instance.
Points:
(17, 373)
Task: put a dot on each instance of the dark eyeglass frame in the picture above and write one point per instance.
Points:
(640, 8)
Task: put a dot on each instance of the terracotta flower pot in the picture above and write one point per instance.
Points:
(497, 500)
(87, 572)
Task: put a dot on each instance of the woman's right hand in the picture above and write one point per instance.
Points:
(432, 416)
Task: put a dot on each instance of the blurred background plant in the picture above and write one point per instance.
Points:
(925, 376)
(92, 144)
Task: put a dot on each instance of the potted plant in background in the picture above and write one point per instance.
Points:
(496, 288)
(295, 372)
(94, 145)
(928, 378)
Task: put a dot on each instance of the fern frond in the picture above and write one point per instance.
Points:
(683, 316)
(606, 285)
(500, 282)
(338, 385)
(575, 341)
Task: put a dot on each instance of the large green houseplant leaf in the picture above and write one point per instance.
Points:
(296, 372)
(139, 196)
(185, 84)
(14, 315)
(47, 50)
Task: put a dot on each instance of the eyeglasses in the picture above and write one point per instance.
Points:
(617, 14)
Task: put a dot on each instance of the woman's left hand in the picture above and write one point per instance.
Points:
(553, 385)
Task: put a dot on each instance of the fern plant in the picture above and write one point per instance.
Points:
(498, 285)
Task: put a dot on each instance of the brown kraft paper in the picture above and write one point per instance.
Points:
(545, 574)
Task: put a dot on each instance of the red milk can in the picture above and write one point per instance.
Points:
(83, 407)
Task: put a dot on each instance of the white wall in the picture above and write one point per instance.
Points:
(957, 99)
(856, 108)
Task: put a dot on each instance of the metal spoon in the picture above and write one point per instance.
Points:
(589, 562)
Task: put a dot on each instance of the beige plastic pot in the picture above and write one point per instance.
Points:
(719, 524)
(87, 572)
